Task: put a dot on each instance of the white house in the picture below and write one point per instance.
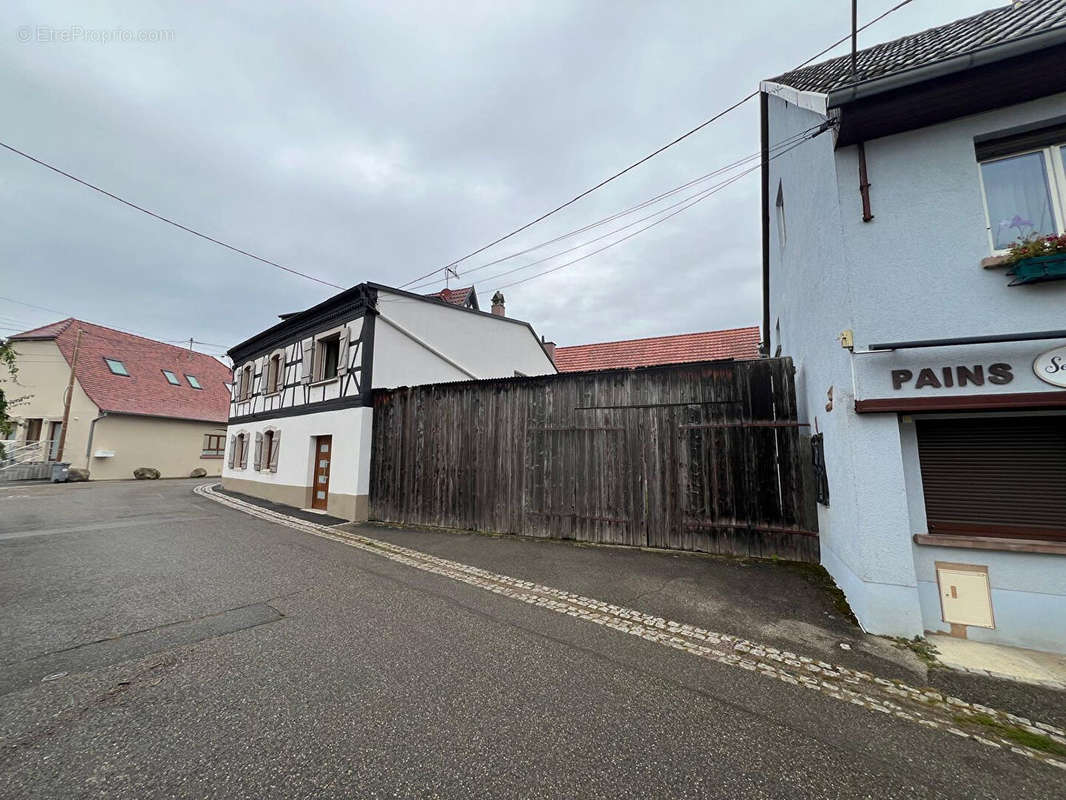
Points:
(300, 421)
(933, 387)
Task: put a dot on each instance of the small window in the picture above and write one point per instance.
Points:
(268, 447)
(116, 366)
(193, 382)
(275, 374)
(171, 378)
(214, 445)
(330, 349)
(246, 382)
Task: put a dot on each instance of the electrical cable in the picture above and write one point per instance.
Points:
(654, 153)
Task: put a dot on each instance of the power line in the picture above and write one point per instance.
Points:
(740, 162)
(65, 315)
(654, 153)
(161, 218)
(697, 199)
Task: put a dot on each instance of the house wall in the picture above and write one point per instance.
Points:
(913, 272)
(483, 346)
(349, 479)
(172, 446)
(38, 391)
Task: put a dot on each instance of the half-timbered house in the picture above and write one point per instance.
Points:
(300, 417)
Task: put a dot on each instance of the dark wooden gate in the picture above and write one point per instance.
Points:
(703, 457)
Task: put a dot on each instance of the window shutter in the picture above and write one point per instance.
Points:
(279, 376)
(232, 451)
(258, 451)
(244, 453)
(342, 351)
(249, 371)
(308, 360)
(275, 447)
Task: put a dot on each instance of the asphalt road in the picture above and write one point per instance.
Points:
(156, 644)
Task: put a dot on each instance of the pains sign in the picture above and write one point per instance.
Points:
(948, 377)
(1050, 367)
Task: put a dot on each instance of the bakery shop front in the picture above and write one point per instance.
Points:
(982, 446)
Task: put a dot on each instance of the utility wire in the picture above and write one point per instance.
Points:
(65, 315)
(697, 199)
(161, 218)
(654, 153)
(740, 162)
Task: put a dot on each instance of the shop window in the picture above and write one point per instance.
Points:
(994, 476)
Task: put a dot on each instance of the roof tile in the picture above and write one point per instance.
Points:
(146, 390)
(989, 28)
(733, 343)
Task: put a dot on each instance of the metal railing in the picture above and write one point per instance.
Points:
(14, 453)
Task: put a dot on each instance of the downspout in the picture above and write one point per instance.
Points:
(89, 446)
(764, 145)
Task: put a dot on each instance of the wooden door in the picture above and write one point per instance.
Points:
(323, 456)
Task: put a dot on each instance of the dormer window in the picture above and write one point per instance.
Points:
(116, 367)
(172, 379)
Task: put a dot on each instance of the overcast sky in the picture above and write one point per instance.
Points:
(377, 141)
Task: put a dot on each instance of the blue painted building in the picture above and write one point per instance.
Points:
(935, 390)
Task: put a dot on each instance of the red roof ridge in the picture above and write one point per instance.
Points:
(665, 336)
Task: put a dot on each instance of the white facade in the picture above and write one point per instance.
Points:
(311, 377)
(913, 272)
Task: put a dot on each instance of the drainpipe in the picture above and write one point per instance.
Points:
(764, 136)
(89, 446)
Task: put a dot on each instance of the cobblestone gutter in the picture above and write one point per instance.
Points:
(992, 728)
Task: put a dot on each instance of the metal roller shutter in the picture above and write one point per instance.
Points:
(995, 476)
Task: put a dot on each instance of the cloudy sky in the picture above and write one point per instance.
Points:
(380, 140)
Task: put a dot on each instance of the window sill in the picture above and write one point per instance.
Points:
(992, 543)
(272, 394)
(209, 455)
(994, 262)
(324, 381)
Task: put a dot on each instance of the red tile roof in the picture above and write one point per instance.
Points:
(734, 343)
(146, 390)
(458, 297)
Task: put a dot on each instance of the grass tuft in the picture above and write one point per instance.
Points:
(1020, 736)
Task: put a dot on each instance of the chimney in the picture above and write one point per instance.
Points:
(497, 304)
(549, 348)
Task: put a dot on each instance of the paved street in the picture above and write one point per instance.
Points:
(156, 643)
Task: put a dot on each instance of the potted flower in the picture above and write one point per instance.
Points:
(1038, 258)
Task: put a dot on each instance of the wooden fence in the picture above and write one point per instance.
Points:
(703, 457)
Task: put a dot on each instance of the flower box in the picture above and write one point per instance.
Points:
(1038, 269)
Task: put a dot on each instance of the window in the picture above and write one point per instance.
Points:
(268, 446)
(994, 476)
(116, 366)
(1025, 194)
(171, 378)
(275, 374)
(329, 355)
(193, 382)
(246, 382)
(33, 429)
(214, 445)
(240, 452)
(782, 233)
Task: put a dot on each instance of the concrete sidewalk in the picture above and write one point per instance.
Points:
(791, 606)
